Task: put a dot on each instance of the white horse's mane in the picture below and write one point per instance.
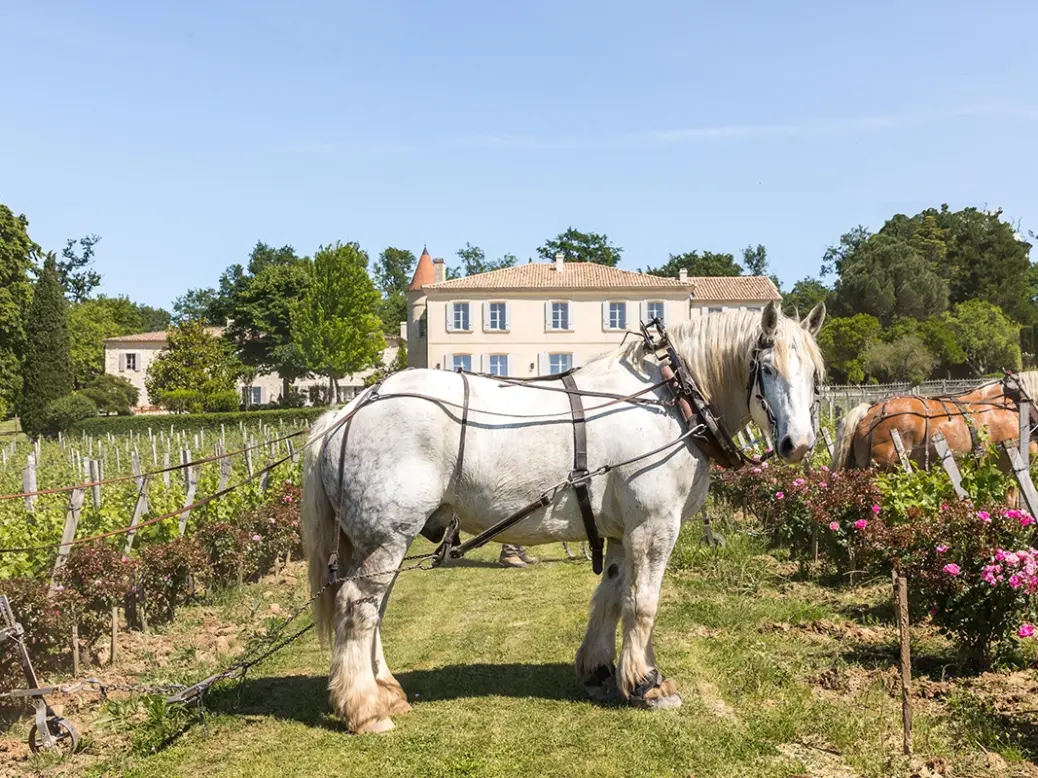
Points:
(705, 344)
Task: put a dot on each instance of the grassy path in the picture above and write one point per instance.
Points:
(485, 654)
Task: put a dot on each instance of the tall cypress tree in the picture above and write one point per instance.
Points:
(47, 370)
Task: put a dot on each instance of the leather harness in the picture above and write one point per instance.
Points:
(579, 473)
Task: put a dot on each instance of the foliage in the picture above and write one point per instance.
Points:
(399, 363)
(74, 270)
(47, 369)
(474, 261)
(48, 622)
(886, 278)
(904, 359)
(755, 260)
(118, 425)
(165, 575)
(94, 320)
(71, 409)
(193, 360)
(101, 577)
(805, 295)
(845, 342)
(336, 324)
(197, 304)
(708, 263)
(393, 272)
(18, 254)
(986, 336)
(112, 394)
(260, 311)
(576, 246)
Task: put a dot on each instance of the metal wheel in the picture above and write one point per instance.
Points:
(66, 738)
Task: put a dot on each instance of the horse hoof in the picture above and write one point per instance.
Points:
(662, 696)
(376, 726)
(606, 692)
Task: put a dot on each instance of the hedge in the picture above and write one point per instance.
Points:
(192, 422)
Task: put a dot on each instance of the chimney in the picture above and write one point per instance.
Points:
(559, 264)
(439, 270)
(683, 276)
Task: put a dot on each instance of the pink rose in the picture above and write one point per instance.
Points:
(942, 549)
(799, 482)
(822, 484)
(779, 495)
(256, 538)
(834, 525)
(1026, 631)
(756, 471)
(876, 509)
(861, 524)
(952, 569)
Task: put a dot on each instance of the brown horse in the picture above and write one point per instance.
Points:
(983, 416)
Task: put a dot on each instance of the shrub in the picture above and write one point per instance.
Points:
(101, 577)
(117, 425)
(165, 575)
(48, 629)
(274, 527)
(220, 402)
(61, 414)
(181, 400)
(226, 545)
(112, 394)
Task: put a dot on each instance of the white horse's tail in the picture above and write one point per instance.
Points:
(844, 444)
(320, 529)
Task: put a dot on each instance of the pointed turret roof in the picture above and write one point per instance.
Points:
(424, 272)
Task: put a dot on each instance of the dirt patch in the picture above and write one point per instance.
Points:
(714, 703)
(819, 760)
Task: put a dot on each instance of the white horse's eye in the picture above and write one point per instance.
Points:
(766, 370)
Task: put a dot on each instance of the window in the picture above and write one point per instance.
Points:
(422, 324)
(755, 308)
(617, 316)
(253, 395)
(498, 364)
(654, 310)
(461, 317)
(714, 310)
(558, 363)
(463, 362)
(131, 361)
(560, 316)
(496, 317)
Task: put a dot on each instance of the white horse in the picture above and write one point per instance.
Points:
(397, 476)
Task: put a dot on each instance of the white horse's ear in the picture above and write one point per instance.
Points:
(814, 320)
(769, 319)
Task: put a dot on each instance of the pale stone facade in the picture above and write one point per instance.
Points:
(544, 318)
(129, 356)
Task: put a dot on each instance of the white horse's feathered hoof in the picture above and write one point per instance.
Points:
(601, 687)
(656, 693)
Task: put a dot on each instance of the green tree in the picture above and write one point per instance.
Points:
(336, 324)
(112, 394)
(261, 318)
(193, 361)
(18, 255)
(76, 275)
(845, 342)
(393, 273)
(101, 317)
(153, 319)
(47, 370)
(805, 295)
(576, 246)
(989, 339)
(755, 260)
(708, 263)
(905, 358)
(474, 261)
(887, 278)
(197, 304)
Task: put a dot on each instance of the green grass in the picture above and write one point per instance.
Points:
(485, 655)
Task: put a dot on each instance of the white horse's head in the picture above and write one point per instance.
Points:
(785, 369)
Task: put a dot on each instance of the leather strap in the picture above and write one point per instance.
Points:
(580, 471)
(464, 425)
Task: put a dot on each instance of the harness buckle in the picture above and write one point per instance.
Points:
(333, 568)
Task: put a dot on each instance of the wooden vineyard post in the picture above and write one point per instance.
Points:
(1023, 477)
(265, 478)
(226, 466)
(29, 482)
(248, 455)
(115, 635)
(75, 646)
(901, 608)
(140, 507)
(899, 447)
(828, 438)
(1025, 433)
(154, 452)
(165, 469)
(68, 534)
(292, 451)
(950, 467)
(95, 475)
(191, 474)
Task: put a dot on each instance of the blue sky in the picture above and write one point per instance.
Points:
(182, 133)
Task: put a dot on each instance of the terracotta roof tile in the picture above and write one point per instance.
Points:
(574, 275)
(734, 288)
(155, 337)
(424, 272)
